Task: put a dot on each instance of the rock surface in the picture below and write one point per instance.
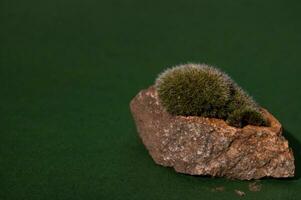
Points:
(208, 146)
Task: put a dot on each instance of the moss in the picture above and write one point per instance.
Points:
(244, 116)
(201, 90)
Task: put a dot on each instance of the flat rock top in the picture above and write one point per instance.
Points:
(150, 95)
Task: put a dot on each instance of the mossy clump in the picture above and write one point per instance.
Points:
(202, 90)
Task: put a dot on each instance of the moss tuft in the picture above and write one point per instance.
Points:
(201, 90)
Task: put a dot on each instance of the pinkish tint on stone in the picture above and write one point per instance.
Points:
(209, 146)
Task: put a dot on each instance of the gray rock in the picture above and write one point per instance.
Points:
(207, 146)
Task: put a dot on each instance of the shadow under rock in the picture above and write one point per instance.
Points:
(296, 146)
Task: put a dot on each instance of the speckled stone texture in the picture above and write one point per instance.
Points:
(208, 146)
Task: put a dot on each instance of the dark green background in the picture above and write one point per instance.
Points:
(69, 68)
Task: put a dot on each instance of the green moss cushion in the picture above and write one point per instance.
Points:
(202, 90)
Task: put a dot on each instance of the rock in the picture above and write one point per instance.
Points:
(254, 187)
(240, 193)
(208, 146)
(218, 189)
